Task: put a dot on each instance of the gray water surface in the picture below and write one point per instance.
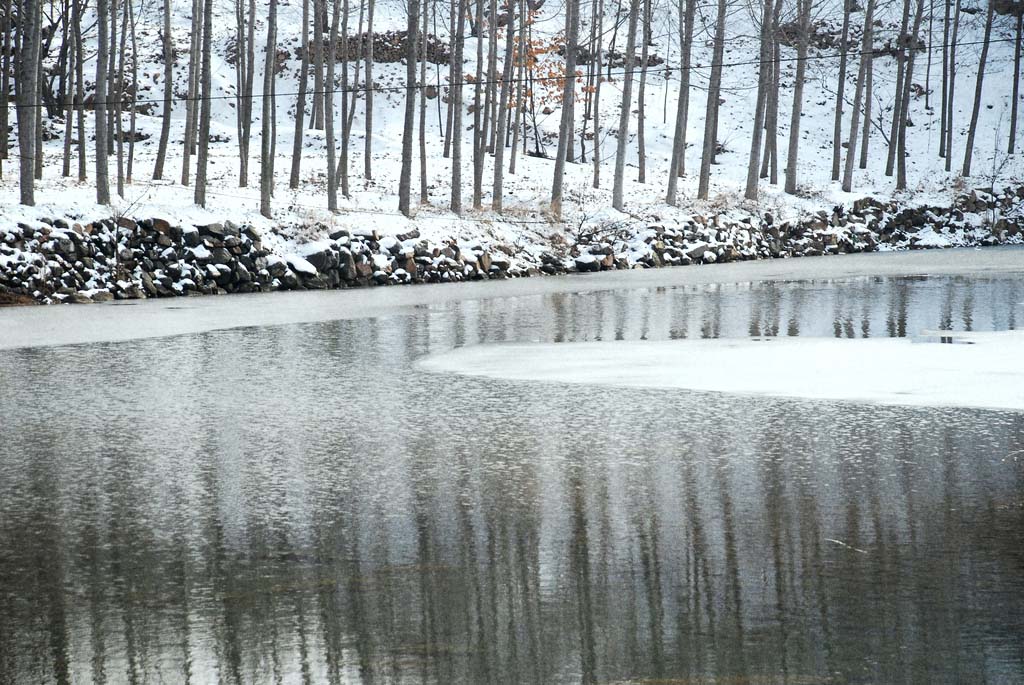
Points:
(298, 503)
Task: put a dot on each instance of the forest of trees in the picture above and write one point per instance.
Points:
(68, 61)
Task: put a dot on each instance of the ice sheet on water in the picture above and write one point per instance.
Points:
(989, 373)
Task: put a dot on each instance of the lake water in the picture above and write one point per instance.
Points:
(300, 503)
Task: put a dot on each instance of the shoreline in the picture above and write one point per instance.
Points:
(120, 321)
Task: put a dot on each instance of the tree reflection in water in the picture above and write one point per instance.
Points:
(298, 504)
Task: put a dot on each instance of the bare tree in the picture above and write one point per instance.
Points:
(100, 103)
(28, 103)
(972, 130)
(506, 92)
(803, 13)
(332, 172)
(204, 109)
(762, 96)
(711, 117)
(267, 142)
(424, 37)
(408, 130)
(565, 127)
(952, 86)
(901, 141)
(858, 93)
(191, 106)
(641, 143)
(368, 140)
(479, 142)
(902, 43)
(626, 106)
(346, 103)
(300, 101)
(677, 167)
(837, 124)
(165, 122)
(455, 94)
(597, 50)
(1015, 100)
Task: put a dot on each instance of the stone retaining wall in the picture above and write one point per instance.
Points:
(64, 261)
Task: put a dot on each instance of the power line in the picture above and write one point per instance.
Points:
(617, 72)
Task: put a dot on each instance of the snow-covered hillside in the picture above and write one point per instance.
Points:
(374, 202)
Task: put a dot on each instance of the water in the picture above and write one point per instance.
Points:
(299, 503)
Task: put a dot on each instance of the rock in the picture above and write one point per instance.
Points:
(301, 266)
(191, 237)
(323, 260)
(101, 296)
(212, 230)
(78, 298)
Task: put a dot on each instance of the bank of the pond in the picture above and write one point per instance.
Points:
(52, 260)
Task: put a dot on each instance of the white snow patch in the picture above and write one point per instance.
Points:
(300, 265)
(987, 373)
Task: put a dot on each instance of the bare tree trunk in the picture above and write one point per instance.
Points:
(67, 67)
(119, 102)
(500, 141)
(79, 92)
(641, 143)
(332, 172)
(901, 143)
(952, 87)
(1016, 87)
(266, 142)
(792, 159)
(677, 167)
(455, 94)
(100, 107)
(897, 110)
(868, 92)
(452, 32)
(135, 94)
(424, 38)
(250, 77)
(711, 118)
(944, 124)
(5, 78)
(618, 190)
(193, 87)
(928, 66)
(28, 102)
(346, 103)
(490, 97)
(112, 78)
(837, 127)
(368, 141)
(865, 55)
(762, 95)
(972, 130)
(520, 88)
(300, 102)
(317, 115)
(204, 110)
(165, 123)
(478, 132)
(596, 69)
(565, 127)
(770, 158)
(408, 130)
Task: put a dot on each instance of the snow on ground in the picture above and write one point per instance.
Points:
(373, 202)
(983, 370)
